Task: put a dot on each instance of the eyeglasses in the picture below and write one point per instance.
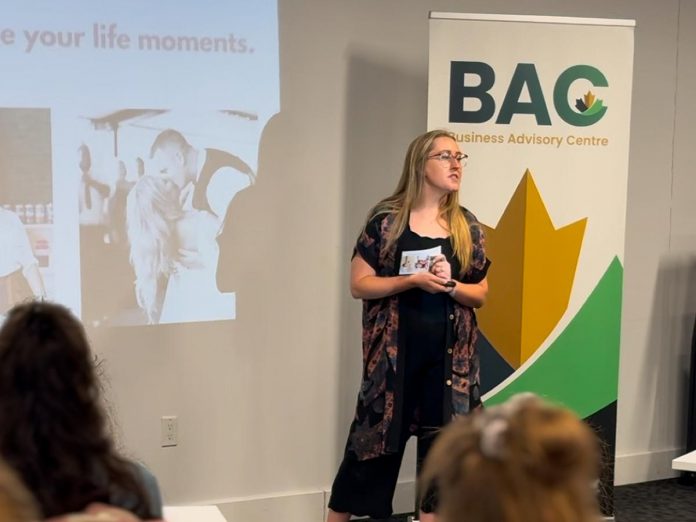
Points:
(447, 155)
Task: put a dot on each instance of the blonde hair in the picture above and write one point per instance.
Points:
(152, 210)
(409, 190)
(524, 461)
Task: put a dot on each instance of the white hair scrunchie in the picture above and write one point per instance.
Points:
(493, 423)
(492, 442)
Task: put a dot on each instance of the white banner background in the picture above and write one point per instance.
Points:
(575, 181)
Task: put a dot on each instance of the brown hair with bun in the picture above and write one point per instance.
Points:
(523, 461)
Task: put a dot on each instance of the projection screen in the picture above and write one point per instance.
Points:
(126, 131)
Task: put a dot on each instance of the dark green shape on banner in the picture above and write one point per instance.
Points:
(560, 95)
(581, 368)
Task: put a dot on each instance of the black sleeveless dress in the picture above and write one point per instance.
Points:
(423, 325)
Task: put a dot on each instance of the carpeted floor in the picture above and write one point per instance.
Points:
(660, 501)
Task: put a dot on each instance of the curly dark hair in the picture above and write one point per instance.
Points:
(53, 431)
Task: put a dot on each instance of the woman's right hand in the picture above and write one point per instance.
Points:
(429, 282)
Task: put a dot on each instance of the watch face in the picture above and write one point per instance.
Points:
(451, 283)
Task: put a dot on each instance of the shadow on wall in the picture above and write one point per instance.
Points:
(386, 108)
(674, 309)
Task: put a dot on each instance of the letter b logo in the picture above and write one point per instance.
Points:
(459, 92)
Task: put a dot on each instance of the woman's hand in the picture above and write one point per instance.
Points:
(365, 284)
(441, 267)
(429, 282)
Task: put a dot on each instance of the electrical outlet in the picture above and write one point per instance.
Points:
(169, 431)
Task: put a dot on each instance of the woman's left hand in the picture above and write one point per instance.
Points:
(441, 267)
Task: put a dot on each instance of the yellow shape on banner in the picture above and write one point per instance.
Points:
(589, 99)
(531, 277)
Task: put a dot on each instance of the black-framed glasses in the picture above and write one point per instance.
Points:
(447, 155)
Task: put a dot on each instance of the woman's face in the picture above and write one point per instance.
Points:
(443, 175)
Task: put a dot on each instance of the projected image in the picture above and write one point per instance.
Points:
(155, 188)
(126, 136)
(26, 208)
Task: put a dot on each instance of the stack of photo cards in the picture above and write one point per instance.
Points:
(414, 261)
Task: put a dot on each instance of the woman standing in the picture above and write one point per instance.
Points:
(420, 365)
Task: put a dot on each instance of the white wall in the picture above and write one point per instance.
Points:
(264, 402)
(660, 276)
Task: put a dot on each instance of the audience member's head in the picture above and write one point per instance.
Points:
(98, 513)
(16, 503)
(52, 427)
(523, 461)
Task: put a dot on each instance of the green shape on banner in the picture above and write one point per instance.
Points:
(581, 367)
(596, 107)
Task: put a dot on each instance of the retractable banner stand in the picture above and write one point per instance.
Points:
(542, 107)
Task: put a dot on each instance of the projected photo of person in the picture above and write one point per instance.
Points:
(19, 267)
(208, 178)
(26, 227)
(93, 192)
(174, 254)
(174, 217)
(150, 254)
(98, 255)
(116, 206)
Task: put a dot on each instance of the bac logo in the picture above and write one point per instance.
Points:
(588, 110)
